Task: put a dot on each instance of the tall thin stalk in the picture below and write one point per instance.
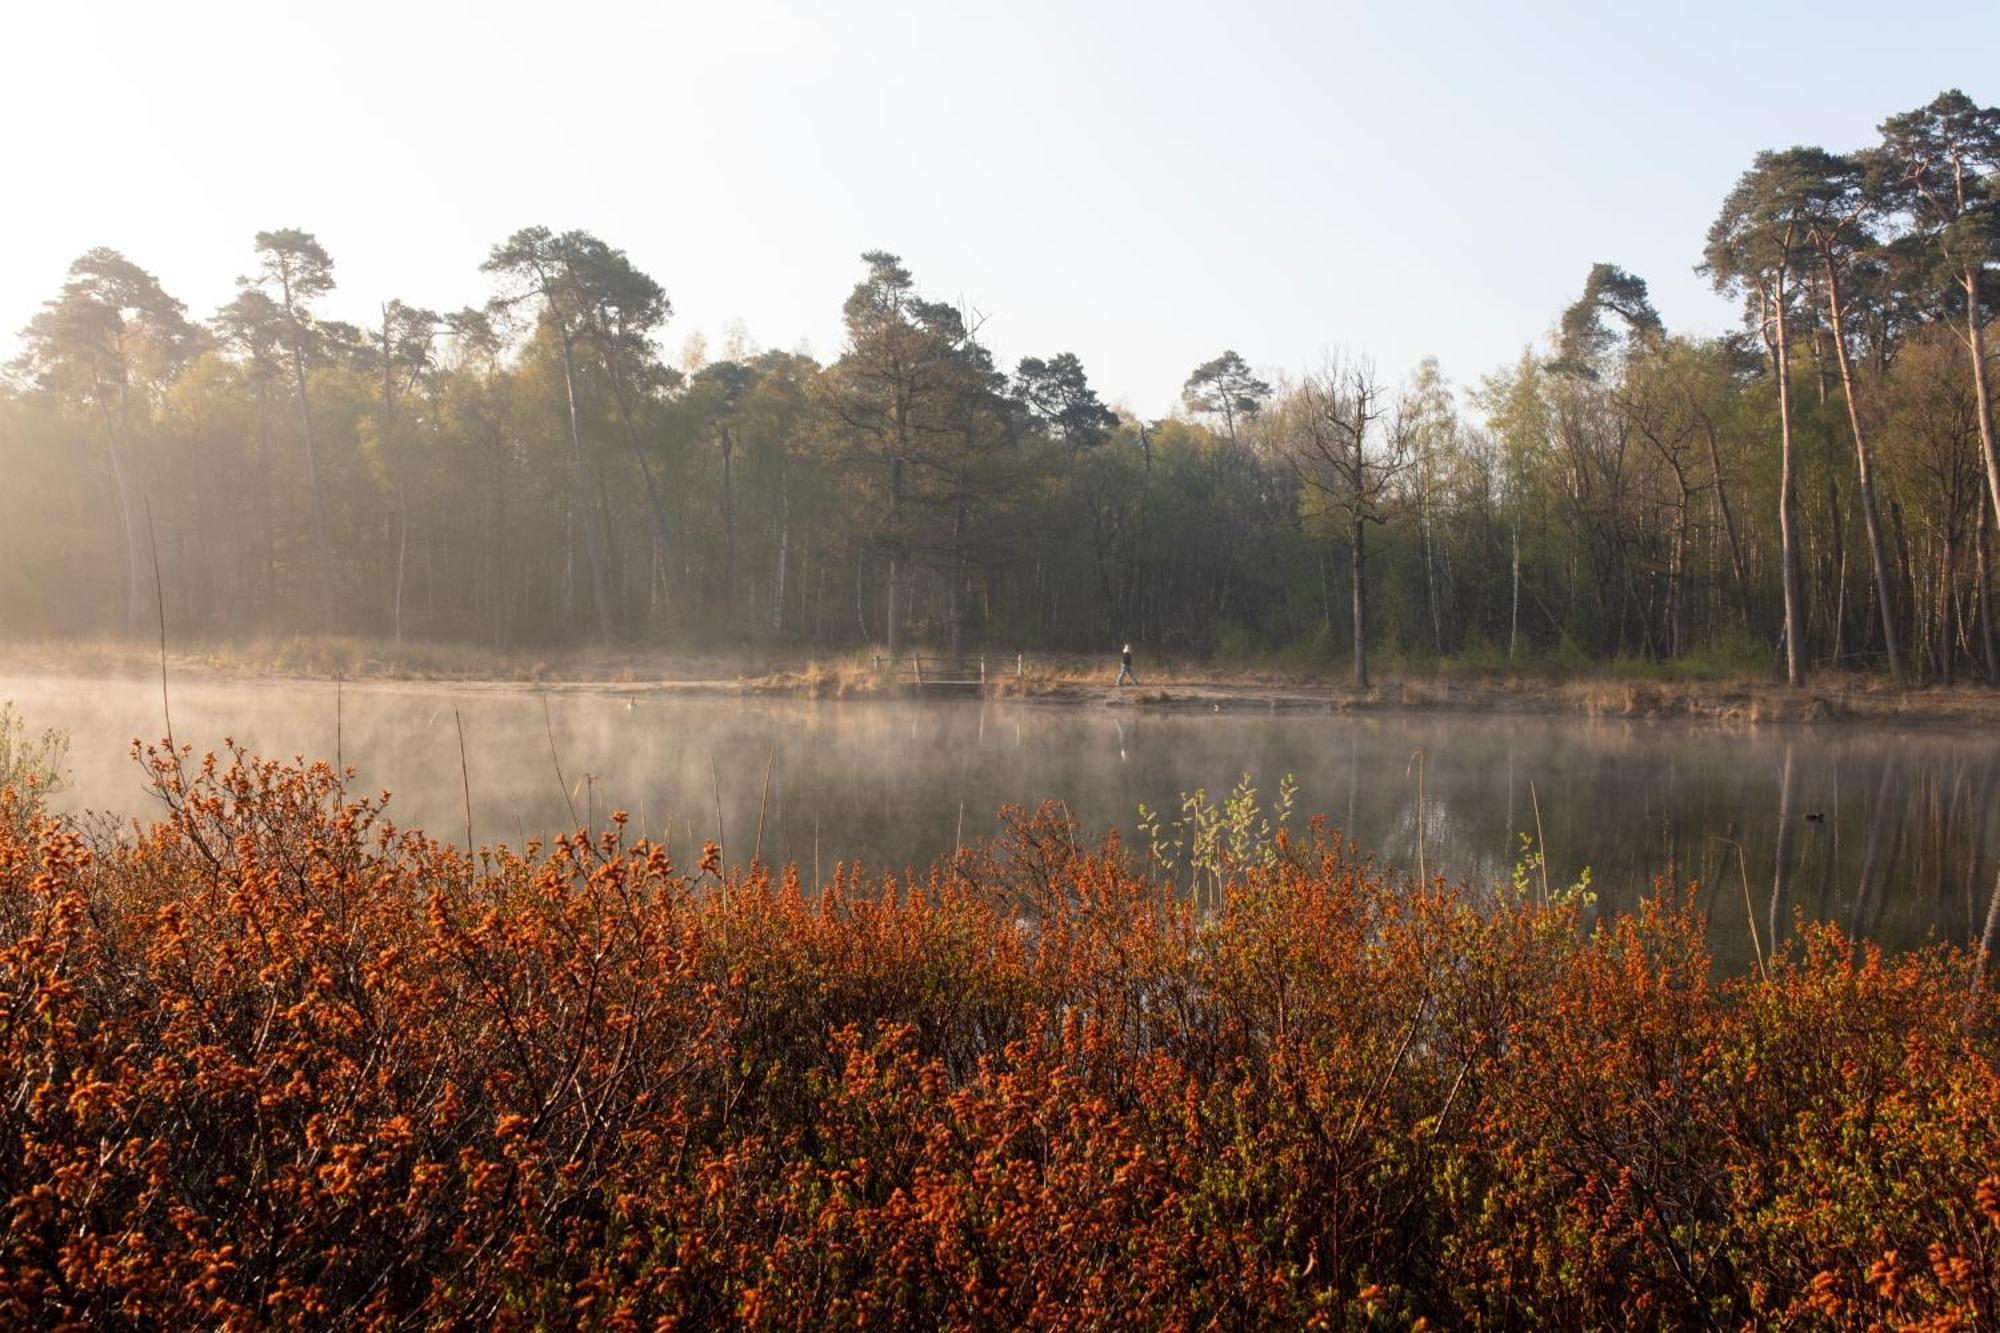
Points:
(465, 782)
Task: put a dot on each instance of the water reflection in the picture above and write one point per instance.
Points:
(1885, 831)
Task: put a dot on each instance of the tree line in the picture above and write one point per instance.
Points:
(1816, 489)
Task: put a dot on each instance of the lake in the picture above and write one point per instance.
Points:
(1888, 831)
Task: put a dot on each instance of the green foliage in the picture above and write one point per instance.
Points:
(1225, 387)
(1320, 647)
(1728, 655)
(535, 473)
(1059, 395)
(1210, 841)
(1608, 290)
(1234, 643)
(1529, 881)
(31, 766)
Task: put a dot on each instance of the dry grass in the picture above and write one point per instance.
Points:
(849, 677)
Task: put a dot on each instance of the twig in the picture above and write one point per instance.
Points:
(561, 781)
(757, 852)
(1541, 842)
(1992, 924)
(715, 785)
(1750, 913)
(176, 802)
(465, 781)
(160, 605)
(339, 758)
(1418, 760)
(721, 871)
(1749, 910)
(1402, 1047)
(1986, 938)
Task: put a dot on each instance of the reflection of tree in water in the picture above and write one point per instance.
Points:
(1782, 857)
(1875, 864)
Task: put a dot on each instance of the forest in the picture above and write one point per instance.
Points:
(1813, 491)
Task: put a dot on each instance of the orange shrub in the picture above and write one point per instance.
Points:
(277, 1061)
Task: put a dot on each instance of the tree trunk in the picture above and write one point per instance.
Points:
(593, 550)
(1729, 526)
(819, 602)
(1906, 568)
(499, 551)
(1357, 553)
(1795, 646)
(1514, 611)
(1677, 575)
(953, 601)
(616, 574)
(1325, 597)
(662, 535)
(896, 571)
(1837, 562)
(1864, 461)
(122, 487)
(1983, 594)
(861, 598)
(323, 550)
(269, 524)
(402, 552)
(1430, 558)
(728, 443)
(1947, 613)
(401, 515)
(784, 546)
(1975, 337)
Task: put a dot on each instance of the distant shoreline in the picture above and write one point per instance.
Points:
(1841, 697)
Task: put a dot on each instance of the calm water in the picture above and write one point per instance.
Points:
(1892, 833)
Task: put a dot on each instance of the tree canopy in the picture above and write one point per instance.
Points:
(540, 472)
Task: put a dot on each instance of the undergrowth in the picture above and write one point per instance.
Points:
(275, 1060)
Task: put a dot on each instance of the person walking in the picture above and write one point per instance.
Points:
(1125, 667)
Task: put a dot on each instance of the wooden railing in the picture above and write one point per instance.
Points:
(925, 672)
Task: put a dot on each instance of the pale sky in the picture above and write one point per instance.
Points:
(1143, 184)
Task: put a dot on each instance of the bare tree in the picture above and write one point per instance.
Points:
(1348, 442)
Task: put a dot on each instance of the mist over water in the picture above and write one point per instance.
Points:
(1888, 832)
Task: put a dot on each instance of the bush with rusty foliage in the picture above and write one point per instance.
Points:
(277, 1061)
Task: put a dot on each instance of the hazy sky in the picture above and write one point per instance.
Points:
(1142, 184)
